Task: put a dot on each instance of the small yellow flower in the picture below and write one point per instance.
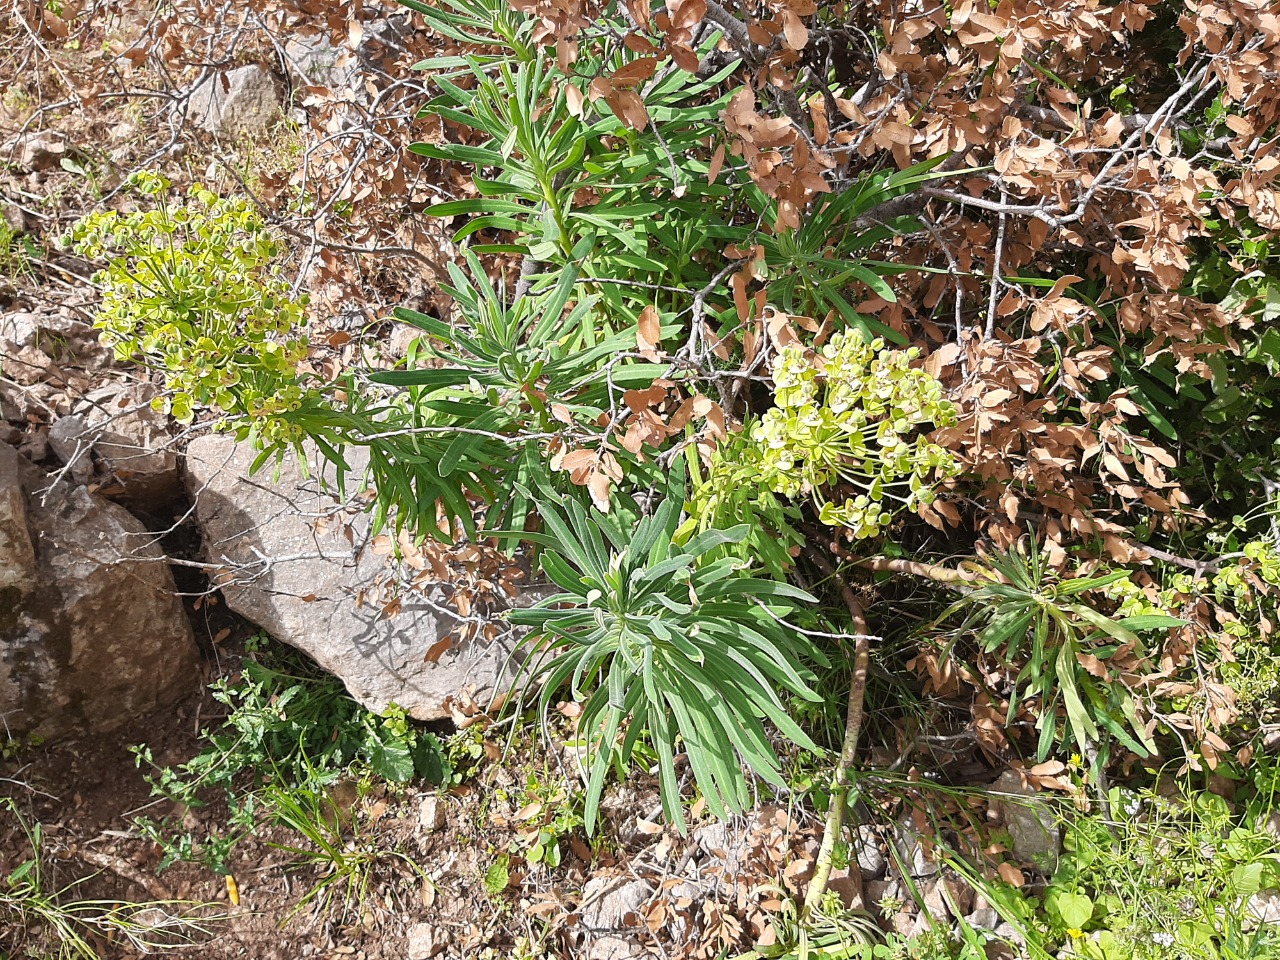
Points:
(1075, 934)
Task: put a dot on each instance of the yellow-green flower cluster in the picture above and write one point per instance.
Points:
(193, 290)
(856, 414)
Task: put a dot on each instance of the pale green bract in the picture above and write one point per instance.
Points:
(194, 291)
(856, 414)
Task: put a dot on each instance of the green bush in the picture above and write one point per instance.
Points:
(1165, 879)
(664, 647)
(195, 290)
(289, 727)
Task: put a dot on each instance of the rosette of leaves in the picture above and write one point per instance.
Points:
(554, 166)
(664, 646)
(1061, 648)
(493, 386)
(809, 270)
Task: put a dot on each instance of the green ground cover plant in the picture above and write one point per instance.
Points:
(47, 919)
(291, 736)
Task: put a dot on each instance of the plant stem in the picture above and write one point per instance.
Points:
(931, 571)
(848, 749)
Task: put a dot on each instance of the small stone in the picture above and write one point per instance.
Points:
(245, 100)
(613, 903)
(34, 446)
(984, 918)
(61, 338)
(39, 149)
(961, 894)
(19, 330)
(422, 942)
(866, 846)
(903, 923)
(878, 891)
(935, 903)
(610, 948)
(431, 813)
(1264, 906)
(921, 925)
(400, 339)
(842, 884)
(26, 366)
(919, 861)
(947, 896)
(14, 218)
(318, 61)
(1006, 931)
(1271, 741)
(1030, 820)
(574, 758)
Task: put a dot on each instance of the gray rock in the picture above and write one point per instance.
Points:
(34, 446)
(912, 848)
(983, 918)
(319, 62)
(71, 443)
(431, 813)
(14, 218)
(422, 942)
(945, 896)
(724, 847)
(878, 890)
(611, 948)
(613, 903)
(134, 444)
(871, 859)
(1007, 931)
(315, 59)
(290, 567)
(92, 634)
(39, 149)
(19, 329)
(1030, 820)
(1264, 907)
(843, 884)
(59, 336)
(245, 100)
(26, 366)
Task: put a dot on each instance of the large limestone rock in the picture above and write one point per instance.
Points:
(133, 444)
(245, 100)
(92, 634)
(295, 567)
